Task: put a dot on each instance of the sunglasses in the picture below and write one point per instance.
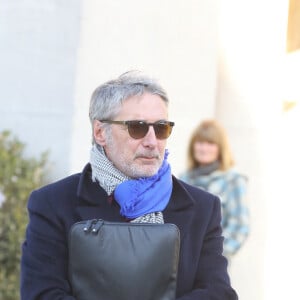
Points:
(138, 129)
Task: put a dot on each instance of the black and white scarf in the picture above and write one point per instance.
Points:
(109, 178)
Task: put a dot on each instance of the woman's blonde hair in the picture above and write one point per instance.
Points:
(211, 131)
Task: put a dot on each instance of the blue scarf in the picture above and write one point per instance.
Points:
(138, 197)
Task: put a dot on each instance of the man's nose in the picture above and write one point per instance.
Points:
(150, 138)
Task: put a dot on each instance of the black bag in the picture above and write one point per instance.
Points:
(123, 261)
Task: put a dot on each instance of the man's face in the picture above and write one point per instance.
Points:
(135, 157)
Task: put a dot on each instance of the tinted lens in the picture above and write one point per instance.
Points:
(162, 130)
(137, 129)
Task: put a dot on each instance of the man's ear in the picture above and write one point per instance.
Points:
(99, 133)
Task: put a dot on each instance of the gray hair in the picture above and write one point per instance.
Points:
(107, 99)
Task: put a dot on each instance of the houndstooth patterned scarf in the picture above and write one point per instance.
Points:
(109, 177)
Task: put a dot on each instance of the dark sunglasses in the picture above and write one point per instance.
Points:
(138, 129)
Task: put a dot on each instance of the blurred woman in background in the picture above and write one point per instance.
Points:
(211, 167)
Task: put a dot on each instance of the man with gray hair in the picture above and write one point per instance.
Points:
(128, 179)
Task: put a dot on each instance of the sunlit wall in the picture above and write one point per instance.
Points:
(257, 80)
(171, 41)
(55, 53)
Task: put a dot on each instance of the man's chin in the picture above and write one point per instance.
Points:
(146, 171)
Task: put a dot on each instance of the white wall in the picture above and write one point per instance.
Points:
(250, 98)
(54, 54)
(170, 40)
(38, 46)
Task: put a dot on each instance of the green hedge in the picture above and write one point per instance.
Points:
(19, 175)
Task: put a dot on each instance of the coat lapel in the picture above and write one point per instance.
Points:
(93, 203)
(93, 200)
(179, 211)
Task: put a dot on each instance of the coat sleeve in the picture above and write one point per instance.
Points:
(44, 253)
(211, 279)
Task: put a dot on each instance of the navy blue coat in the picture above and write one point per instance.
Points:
(53, 209)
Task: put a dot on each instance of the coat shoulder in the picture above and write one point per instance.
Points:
(198, 194)
(63, 185)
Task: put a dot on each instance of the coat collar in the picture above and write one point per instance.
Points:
(93, 202)
(180, 209)
(89, 190)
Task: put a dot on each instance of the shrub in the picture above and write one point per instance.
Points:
(18, 177)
